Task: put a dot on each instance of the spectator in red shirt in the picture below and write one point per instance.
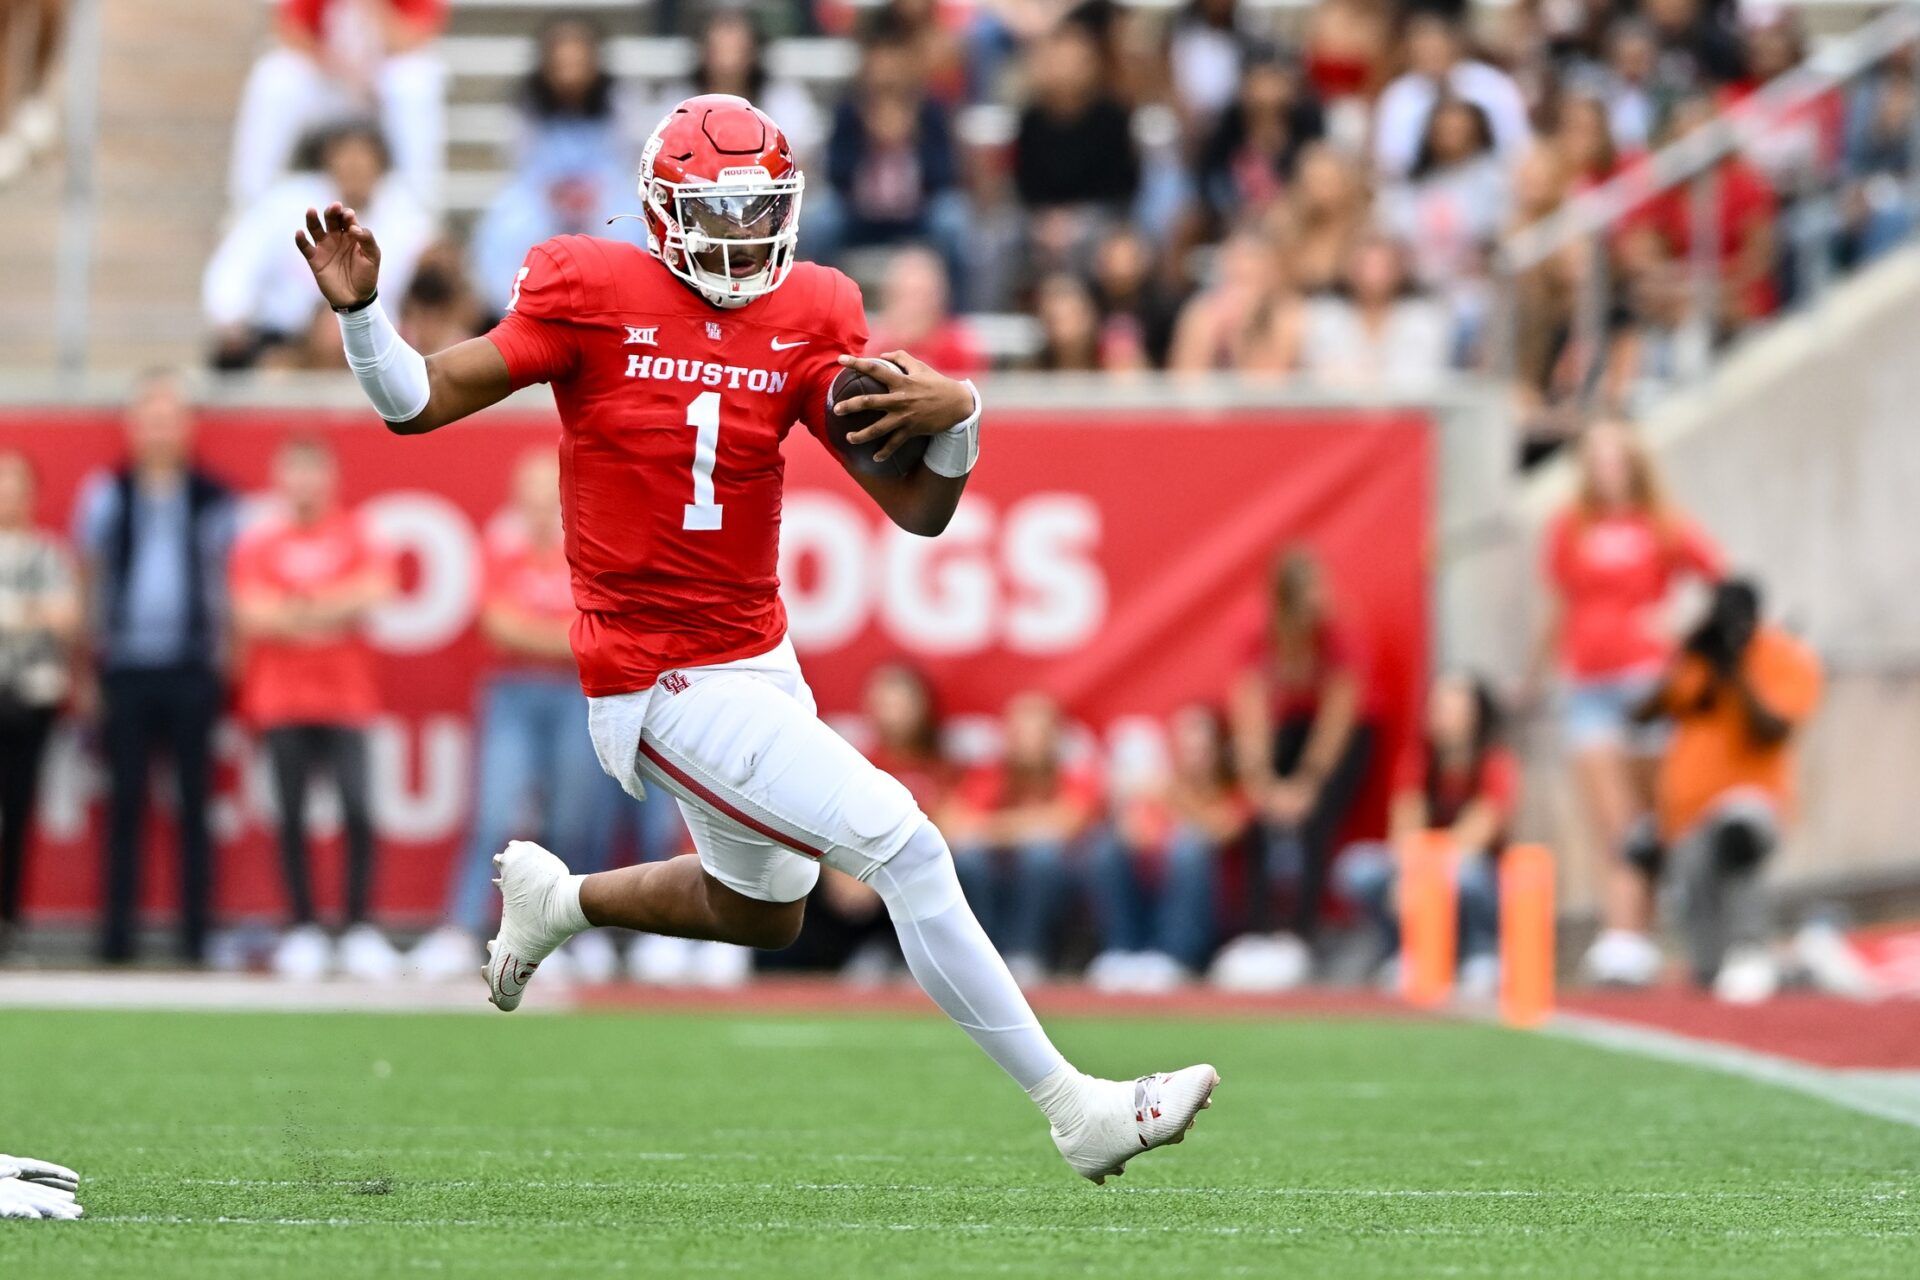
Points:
(1611, 560)
(1303, 739)
(304, 578)
(1458, 778)
(334, 60)
(1014, 827)
(533, 755)
(916, 315)
(1155, 876)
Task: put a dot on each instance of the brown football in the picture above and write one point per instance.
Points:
(903, 461)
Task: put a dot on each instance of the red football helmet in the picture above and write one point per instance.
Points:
(721, 195)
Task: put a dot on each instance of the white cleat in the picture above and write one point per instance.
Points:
(528, 929)
(1118, 1119)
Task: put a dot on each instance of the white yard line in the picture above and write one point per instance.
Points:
(1892, 1096)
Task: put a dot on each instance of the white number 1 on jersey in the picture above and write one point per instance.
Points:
(703, 415)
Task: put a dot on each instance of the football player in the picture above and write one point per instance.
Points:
(37, 1189)
(678, 371)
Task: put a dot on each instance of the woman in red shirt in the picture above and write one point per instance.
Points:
(1015, 827)
(1612, 558)
(1302, 740)
(304, 579)
(1459, 778)
(1154, 877)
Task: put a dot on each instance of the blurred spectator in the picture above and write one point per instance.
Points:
(1074, 148)
(341, 59)
(1455, 199)
(306, 573)
(31, 34)
(154, 539)
(1459, 777)
(1610, 562)
(1015, 826)
(891, 168)
(1206, 57)
(1696, 46)
(1070, 337)
(1656, 240)
(39, 622)
(1248, 159)
(535, 773)
(570, 103)
(1244, 320)
(316, 349)
(573, 165)
(1437, 64)
(1346, 48)
(1737, 695)
(1303, 739)
(1586, 146)
(1630, 85)
(732, 60)
(258, 291)
(932, 27)
(1156, 875)
(1137, 309)
(1321, 218)
(1378, 330)
(1799, 148)
(914, 315)
(1875, 210)
(439, 307)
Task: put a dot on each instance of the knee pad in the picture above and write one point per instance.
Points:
(1739, 845)
(919, 881)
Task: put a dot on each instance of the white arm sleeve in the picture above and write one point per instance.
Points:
(393, 374)
(954, 451)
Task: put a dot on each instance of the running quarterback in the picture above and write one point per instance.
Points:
(678, 372)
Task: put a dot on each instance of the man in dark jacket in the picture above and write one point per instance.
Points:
(154, 537)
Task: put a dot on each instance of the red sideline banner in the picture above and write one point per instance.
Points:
(1117, 560)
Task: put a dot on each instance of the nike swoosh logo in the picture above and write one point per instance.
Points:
(520, 974)
(782, 346)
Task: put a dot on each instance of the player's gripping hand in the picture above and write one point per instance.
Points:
(343, 254)
(919, 401)
(37, 1189)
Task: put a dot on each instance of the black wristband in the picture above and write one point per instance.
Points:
(361, 305)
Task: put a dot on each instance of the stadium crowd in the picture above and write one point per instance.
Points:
(1222, 186)
(170, 599)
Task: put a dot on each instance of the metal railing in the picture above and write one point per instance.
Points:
(1585, 223)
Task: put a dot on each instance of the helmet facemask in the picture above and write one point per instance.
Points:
(732, 239)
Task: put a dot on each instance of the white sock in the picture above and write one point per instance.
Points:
(563, 908)
(956, 965)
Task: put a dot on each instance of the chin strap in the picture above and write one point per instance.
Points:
(954, 451)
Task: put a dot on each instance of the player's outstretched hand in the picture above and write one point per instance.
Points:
(343, 254)
(37, 1189)
(919, 400)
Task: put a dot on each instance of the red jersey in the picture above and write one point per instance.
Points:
(1613, 574)
(672, 414)
(531, 578)
(315, 16)
(304, 681)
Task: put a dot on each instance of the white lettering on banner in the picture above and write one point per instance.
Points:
(1030, 579)
(435, 807)
(1061, 595)
(439, 605)
(937, 595)
(823, 563)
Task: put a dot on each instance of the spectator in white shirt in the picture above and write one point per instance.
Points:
(1454, 202)
(337, 60)
(1436, 61)
(257, 292)
(1380, 333)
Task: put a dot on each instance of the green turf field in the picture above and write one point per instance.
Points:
(248, 1145)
